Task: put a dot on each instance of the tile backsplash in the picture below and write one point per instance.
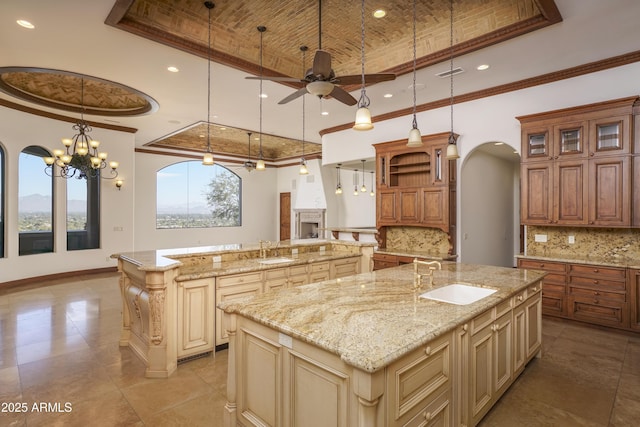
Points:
(607, 243)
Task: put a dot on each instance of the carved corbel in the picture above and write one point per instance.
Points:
(156, 307)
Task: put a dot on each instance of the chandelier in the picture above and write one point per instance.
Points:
(80, 158)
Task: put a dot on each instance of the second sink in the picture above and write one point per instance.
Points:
(458, 293)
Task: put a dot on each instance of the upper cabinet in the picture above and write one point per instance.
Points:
(415, 185)
(576, 167)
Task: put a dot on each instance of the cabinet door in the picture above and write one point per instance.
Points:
(570, 192)
(502, 353)
(536, 188)
(481, 373)
(195, 317)
(434, 207)
(536, 144)
(409, 206)
(570, 140)
(387, 210)
(609, 136)
(609, 192)
(519, 338)
(533, 309)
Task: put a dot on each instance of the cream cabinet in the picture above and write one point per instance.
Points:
(298, 275)
(345, 267)
(195, 317)
(276, 278)
(319, 271)
(231, 287)
(527, 326)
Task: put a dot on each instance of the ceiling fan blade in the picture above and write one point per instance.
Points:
(368, 78)
(343, 96)
(275, 79)
(322, 64)
(294, 95)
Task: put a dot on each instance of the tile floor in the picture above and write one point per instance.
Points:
(59, 347)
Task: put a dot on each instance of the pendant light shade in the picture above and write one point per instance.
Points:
(415, 138)
(338, 185)
(452, 150)
(363, 189)
(363, 115)
(207, 159)
(260, 166)
(363, 119)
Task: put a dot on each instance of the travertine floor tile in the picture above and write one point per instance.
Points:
(206, 411)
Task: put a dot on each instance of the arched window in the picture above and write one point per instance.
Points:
(2, 193)
(35, 203)
(191, 195)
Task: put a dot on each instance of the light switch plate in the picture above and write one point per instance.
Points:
(540, 238)
(217, 258)
(571, 240)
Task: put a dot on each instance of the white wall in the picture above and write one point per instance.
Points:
(487, 195)
(20, 130)
(259, 209)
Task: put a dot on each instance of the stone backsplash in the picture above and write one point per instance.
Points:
(429, 240)
(606, 243)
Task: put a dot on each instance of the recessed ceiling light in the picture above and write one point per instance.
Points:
(388, 95)
(482, 67)
(325, 113)
(264, 95)
(223, 128)
(25, 24)
(498, 143)
(173, 69)
(379, 13)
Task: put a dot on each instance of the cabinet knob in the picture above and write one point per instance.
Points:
(595, 301)
(541, 265)
(428, 416)
(595, 270)
(595, 282)
(427, 351)
(520, 298)
(596, 293)
(591, 154)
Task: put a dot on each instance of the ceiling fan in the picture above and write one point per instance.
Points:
(248, 164)
(320, 79)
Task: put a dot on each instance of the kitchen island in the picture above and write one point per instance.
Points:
(367, 350)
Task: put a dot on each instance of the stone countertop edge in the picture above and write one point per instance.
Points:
(419, 254)
(621, 263)
(166, 259)
(342, 316)
(202, 271)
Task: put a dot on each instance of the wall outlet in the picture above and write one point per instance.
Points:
(322, 248)
(217, 258)
(540, 238)
(571, 240)
(118, 228)
(294, 251)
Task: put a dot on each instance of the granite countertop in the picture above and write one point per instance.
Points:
(608, 261)
(419, 254)
(167, 259)
(363, 230)
(372, 319)
(201, 271)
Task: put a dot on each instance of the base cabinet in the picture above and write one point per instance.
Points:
(195, 317)
(634, 284)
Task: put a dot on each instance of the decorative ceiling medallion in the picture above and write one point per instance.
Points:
(61, 89)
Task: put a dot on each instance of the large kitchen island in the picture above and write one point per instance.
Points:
(368, 350)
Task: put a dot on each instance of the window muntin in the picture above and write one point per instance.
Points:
(191, 195)
(35, 203)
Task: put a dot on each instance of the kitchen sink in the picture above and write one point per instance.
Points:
(458, 293)
(279, 260)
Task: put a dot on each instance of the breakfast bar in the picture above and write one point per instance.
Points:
(370, 350)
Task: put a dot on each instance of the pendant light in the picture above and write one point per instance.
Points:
(452, 147)
(303, 162)
(415, 138)
(260, 166)
(372, 192)
(363, 189)
(355, 182)
(339, 185)
(207, 159)
(363, 115)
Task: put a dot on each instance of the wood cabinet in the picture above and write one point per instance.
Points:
(554, 285)
(598, 295)
(195, 317)
(634, 285)
(576, 166)
(415, 184)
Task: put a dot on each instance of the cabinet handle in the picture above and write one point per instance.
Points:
(520, 298)
(595, 270)
(596, 293)
(535, 289)
(595, 282)
(541, 265)
(428, 416)
(591, 154)
(427, 351)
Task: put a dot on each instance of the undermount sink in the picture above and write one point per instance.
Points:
(458, 293)
(274, 260)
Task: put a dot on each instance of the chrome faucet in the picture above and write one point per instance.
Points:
(417, 277)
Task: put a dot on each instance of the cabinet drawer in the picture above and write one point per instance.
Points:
(385, 257)
(345, 261)
(602, 312)
(555, 278)
(239, 279)
(542, 265)
(319, 266)
(379, 265)
(597, 294)
(519, 298)
(297, 270)
(553, 303)
(552, 287)
(597, 271)
(594, 283)
(277, 273)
